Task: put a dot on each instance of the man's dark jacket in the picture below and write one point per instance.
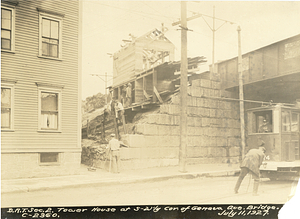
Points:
(253, 159)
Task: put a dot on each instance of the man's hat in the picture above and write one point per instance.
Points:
(112, 135)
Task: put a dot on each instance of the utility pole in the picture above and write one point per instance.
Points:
(183, 90)
(105, 81)
(213, 46)
(241, 92)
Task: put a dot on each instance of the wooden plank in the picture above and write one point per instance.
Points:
(146, 95)
(157, 94)
(124, 124)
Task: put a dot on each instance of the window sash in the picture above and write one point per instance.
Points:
(6, 19)
(6, 107)
(5, 118)
(49, 120)
(286, 121)
(49, 109)
(50, 35)
(6, 28)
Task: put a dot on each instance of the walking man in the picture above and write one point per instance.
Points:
(251, 163)
(114, 146)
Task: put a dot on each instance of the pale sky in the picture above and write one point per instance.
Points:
(107, 23)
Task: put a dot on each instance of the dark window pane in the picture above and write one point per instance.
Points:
(45, 49)
(49, 157)
(5, 97)
(49, 101)
(53, 50)
(5, 107)
(5, 118)
(5, 44)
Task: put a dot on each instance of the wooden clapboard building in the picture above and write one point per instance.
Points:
(40, 88)
(147, 65)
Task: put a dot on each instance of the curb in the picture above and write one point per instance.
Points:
(192, 175)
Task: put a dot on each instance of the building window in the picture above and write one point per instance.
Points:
(50, 36)
(49, 109)
(263, 122)
(7, 28)
(49, 158)
(7, 110)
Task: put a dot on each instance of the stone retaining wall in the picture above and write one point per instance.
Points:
(213, 130)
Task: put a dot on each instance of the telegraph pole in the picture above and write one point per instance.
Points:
(213, 46)
(241, 92)
(183, 90)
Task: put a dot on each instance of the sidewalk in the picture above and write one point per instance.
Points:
(103, 177)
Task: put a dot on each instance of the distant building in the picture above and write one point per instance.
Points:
(40, 88)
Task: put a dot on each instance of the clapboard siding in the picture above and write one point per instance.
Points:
(25, 67)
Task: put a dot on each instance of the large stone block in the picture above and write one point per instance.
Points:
(175, 130)
(134, 141)
(221, 141)
(204, 112)
(175, 120)
(130, 153)
(168, 141)
(164, 130)
(233, 142)
(200, 102)
(206, 92)
(198, 121)
(191, 121)
(191, 131)
(169, 152)
(151, 129)
(151, 141)
(216, 85)
(205, 83)
(197, 91)
(196, 151)
(147, 153)
(165, 119)
(234, 151)
(196, 83)
(153, 118)
(206, 122)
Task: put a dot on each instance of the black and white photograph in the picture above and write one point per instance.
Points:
(150, 109)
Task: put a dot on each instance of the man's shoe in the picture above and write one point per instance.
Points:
(236, 192)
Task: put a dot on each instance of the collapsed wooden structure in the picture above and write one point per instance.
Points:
(144, 69)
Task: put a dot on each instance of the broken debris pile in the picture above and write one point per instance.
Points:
(93, 152)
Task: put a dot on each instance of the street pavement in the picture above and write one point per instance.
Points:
(103, 177)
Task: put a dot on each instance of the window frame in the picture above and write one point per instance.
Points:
(49, 90)
(57, 163)
(12, 87)
(59, 19)
(12, 42)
